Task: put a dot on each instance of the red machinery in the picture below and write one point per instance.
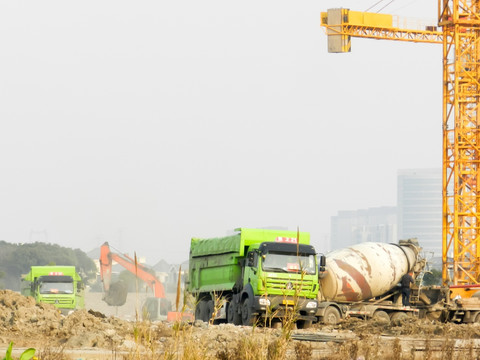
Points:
(116, 293)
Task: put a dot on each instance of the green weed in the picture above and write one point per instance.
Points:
(26, 355)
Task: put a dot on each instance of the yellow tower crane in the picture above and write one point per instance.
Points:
(459, 21)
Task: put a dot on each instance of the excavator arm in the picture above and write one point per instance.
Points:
(116, 293)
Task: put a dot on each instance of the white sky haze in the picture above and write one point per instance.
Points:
(147, 123)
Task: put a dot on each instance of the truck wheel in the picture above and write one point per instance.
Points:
(210, 310)
(476, 319)
(233, 317)
(201, 311)
(435, 315)
(276, 324)
(398, 318)
(381, 316)
(304, 324)
(247, 318)
(331, 316)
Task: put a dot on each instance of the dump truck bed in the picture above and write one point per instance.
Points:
(214, 262)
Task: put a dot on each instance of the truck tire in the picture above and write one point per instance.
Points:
(247, 318)
(201, 311)
(276, 324)
(304, 324)
(331, 316)
(476, 318)
(233, 317)
(381, 316)
(435, 315)
(210, 310)
(398, 318)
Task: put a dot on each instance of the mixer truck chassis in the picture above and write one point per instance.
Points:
(438, 303)
(331, 313)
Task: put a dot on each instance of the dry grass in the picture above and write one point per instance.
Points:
(397, 350)
(245, 348)
(52, 353)
(303, 351)
(182, 341)
(376, 348)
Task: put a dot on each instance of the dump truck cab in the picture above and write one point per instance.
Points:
(278, 278)
(60, 286)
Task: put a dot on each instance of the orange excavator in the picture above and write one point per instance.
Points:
(115, 294)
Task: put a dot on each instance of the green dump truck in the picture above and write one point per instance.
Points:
(254, 275)
(60, 286)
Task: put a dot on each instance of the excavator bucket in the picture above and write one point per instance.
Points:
(117, 294)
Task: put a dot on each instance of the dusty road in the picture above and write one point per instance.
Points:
(108, 333)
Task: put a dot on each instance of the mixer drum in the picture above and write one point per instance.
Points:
(365, 271)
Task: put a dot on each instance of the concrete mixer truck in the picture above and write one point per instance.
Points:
(362, 281)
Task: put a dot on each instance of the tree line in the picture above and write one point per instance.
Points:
(16, 260)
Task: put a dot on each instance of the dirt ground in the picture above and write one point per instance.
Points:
(129, 311)
(101, 332)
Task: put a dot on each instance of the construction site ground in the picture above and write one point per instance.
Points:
(102, 332)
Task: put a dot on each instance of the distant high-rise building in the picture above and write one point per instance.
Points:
(420, 208)
(377, 224)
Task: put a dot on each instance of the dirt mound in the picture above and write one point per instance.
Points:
(21, 315)
(42, 326)
(21, 318)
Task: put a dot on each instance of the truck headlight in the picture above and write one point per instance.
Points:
(311, 305)
(264, 302)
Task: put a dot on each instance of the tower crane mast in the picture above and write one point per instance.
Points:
(459, 21)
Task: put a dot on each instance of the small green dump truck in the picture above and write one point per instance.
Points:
(254, 275)
(60, 286)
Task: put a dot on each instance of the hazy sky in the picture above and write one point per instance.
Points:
(145, 123)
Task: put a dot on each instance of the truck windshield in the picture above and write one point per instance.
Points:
(278, 262)
(56, 288)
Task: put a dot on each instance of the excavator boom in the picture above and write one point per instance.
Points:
(116, 293)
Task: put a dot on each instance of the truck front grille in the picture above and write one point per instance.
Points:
(58, 302)
(289, 286)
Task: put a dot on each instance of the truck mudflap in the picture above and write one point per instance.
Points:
(278, 306)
